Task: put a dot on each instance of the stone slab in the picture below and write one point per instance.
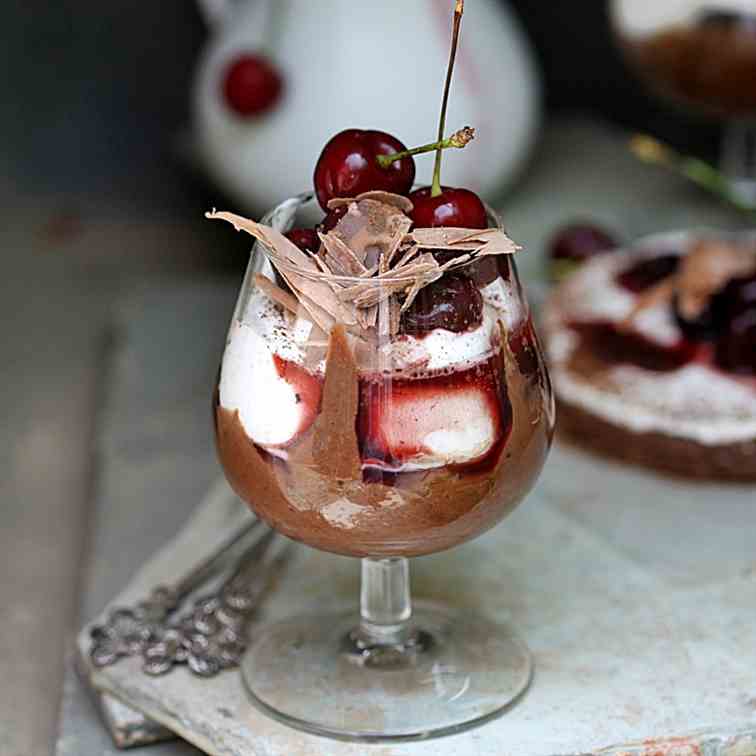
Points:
(641, 632)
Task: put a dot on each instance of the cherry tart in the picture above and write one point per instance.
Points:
(652, 352)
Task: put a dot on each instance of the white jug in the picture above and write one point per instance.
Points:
(374, 65)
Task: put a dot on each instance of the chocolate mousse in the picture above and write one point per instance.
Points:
(709, 63)
(400, 406)
(653, 355)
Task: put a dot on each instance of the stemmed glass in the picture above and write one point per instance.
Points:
(702, 55)
(384, 442)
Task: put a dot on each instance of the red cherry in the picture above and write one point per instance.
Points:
(305, 238)
(579, 241)
(459, 208)
(348, 167)
(252, 85)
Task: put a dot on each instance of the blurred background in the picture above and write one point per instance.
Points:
(96, 96)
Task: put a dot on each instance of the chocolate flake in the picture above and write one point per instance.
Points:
(335, 448)
(370, 258)
(387, 198)
(276, 293)
(339, 257)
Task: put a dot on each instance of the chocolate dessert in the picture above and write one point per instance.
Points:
(653, 355)
(388, 398)
(709, 63)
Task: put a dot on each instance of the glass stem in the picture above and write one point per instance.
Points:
(385, 604)
(738, 160)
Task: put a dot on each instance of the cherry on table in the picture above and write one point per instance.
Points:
(252, 85)
(305, 238)
(348, 166)
(455, 208)
(577, 242)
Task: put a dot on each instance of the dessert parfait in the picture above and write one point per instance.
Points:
(382, 395)
(382, 392)
(652, 350)
(701, 54)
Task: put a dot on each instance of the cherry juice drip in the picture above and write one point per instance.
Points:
(380, 452)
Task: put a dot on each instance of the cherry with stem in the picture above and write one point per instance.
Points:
(445, 206)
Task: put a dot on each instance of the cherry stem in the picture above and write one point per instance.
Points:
(458, 140)
(458, 11)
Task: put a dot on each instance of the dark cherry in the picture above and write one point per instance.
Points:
(305, 238)
(332, 219)
(453, 302)
(457, 208)
(252, 85)
(644, 274)
(736, 346)
(706, 326)
(739, 295)
(578, 242)
(347, 166)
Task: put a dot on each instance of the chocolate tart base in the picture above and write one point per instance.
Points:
(666, 454)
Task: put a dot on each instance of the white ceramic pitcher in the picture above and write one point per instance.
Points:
(379, 65)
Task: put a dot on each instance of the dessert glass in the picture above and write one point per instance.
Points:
(403, 444)
(702, 55)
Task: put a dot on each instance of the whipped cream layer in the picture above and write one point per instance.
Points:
(695, 402)
(273, 409)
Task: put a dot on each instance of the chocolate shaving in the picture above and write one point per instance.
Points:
(319, 315)
(369, 229)
(370, 267)
(339, 257)
(387, 198)
(411, 296)
(335, 448)
(488, 241)
(294, 265)
(276, 293)
(395, 315)
(396, 243)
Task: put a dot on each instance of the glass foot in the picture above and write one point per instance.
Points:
(450, 671)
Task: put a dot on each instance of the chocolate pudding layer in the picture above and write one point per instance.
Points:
(335, 488)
